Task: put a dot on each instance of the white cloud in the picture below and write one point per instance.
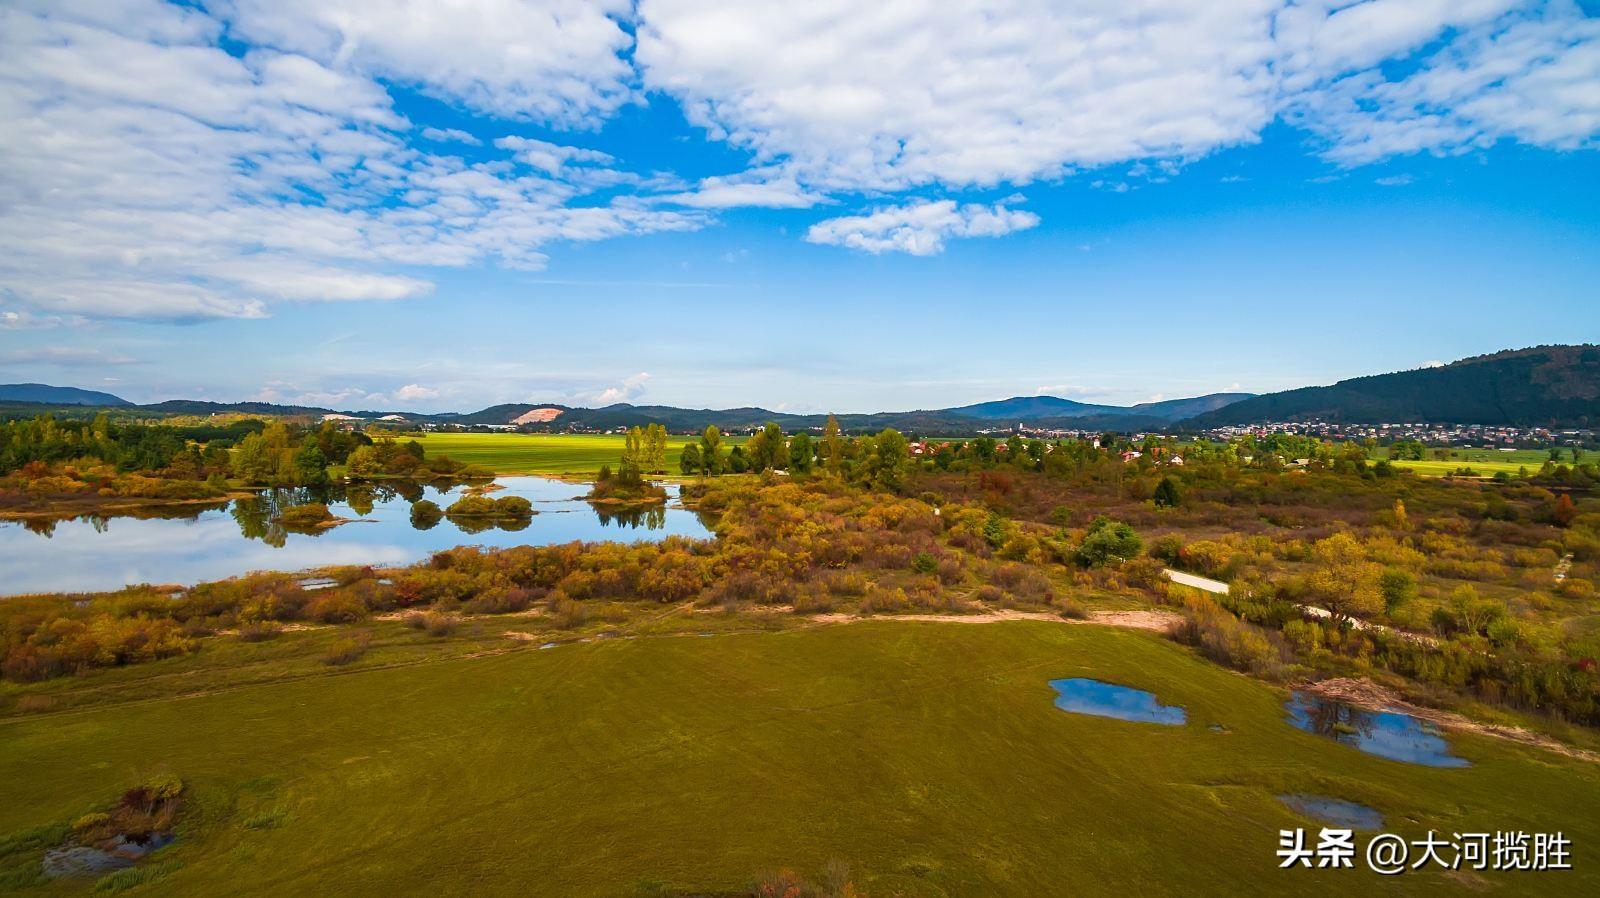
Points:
(550, 157)
(1528, 76)
(893, 95)
(1393, 180)
(1325, 38)
(285, 393)
(66, 357)
(763, 187)
(415, 392)
(1063, 390)
(548, 60)
(848, 96)
(632, 387)
(450, 135)
(1433, 363)
(920, 227)
(146, 173)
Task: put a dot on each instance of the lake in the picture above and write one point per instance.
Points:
(186, 546)
(1100, 699)
(1387, 734)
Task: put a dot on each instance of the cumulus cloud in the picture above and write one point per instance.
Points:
(553, 61)
(1527, 75)
(631, 387)
(888, 96)
(978, 92)
(216, 159)
(549, 157)
(762, 187)
(921, 227)
(415, 392)
(286, 393)
(450, 135)
(147, 173)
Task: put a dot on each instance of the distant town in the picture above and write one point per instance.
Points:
(1432, 434)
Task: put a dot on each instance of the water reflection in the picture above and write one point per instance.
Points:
(1334, 811)
(652, 517)
(1085, 696)
(188, 543)
(1387, 734)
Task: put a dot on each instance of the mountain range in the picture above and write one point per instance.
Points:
(1556, 386)
(1552, 386)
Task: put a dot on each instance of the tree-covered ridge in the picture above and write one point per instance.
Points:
(43, 459)
(1543, 386)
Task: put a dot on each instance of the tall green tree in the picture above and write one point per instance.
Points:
(689, 461)
(310, 465)
(890, 459)
(711, 460)
(767, 450)
(801, 453)
(655, 448)
(1109, 542)
(1167, 494)
(630, 471)
(832, 448)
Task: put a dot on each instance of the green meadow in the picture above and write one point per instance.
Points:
(1487, 462)
(928, 756)
(539, 453)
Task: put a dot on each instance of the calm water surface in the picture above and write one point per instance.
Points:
(189, 546)
(1084, 696)
(1334, 811)
(1387, 734)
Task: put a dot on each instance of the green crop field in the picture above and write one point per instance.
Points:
(928, 756)
(1485, 461)
(522, 453)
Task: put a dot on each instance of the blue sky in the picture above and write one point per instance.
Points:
(802, 207)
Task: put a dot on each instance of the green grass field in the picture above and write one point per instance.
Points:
(1487, 462)
(927, 755)
(521, 453)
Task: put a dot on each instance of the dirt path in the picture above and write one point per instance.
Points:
(1151, 619)
(1374, 697)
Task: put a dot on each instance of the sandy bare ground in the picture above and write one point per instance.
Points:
(1369, 695)
(1152, 619)
(1357, 623)
(283, 628)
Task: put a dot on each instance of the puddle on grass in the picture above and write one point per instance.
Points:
(84, 860)
(1387, 734)
(1084, 696)
(1334, 811)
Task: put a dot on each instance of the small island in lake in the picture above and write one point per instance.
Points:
(643, 450)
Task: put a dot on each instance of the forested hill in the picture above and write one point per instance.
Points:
(1553, 386)
(44, 393)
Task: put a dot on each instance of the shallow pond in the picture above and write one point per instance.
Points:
(1387, 734)
(1334, 811)
(1084, 696)
(185, 545)
(83, 860)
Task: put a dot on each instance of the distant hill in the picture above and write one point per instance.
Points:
(1178, 409)
(1054, 408)
(1551, 386)
(202, 407)
(48, 395)
(1029, 408)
